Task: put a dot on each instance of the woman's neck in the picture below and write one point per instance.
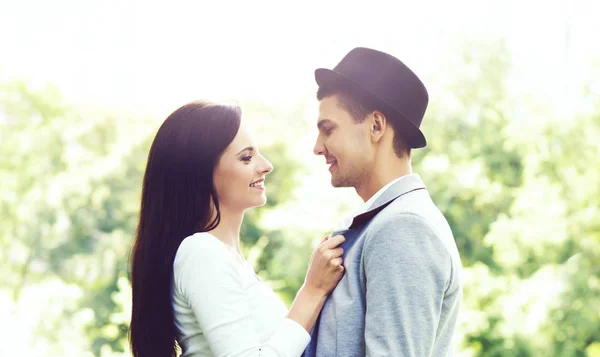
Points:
(228, 230)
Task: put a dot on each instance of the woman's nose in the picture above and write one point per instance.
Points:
(266, 167)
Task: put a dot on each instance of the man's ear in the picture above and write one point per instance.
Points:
(378, 126)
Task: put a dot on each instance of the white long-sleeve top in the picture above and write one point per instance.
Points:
(223, 309)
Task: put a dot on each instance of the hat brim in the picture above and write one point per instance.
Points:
(414, 138)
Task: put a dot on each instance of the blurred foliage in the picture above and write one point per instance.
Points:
(521, 194)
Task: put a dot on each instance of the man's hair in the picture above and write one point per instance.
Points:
(359, 104)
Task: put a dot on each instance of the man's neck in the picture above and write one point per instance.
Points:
(382, 174)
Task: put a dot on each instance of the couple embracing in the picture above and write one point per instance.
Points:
(386, 282)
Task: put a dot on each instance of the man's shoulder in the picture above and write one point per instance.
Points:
(413, 214)
(410, 220)
(397, 221)
(416, 207)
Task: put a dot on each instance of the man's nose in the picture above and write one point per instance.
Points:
(319, 148)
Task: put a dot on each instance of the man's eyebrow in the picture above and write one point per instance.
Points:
(323, 122)
(248, 148)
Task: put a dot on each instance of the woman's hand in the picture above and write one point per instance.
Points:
(325, 269)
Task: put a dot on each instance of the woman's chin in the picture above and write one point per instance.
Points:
(262, 202)
(258, 203)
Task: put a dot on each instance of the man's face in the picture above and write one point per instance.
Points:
(344, 143)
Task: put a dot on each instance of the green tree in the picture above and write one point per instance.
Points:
(522, 200)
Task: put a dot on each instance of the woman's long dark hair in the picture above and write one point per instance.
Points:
(177, 201)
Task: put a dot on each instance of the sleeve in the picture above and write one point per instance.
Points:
(206, 277)
(407, 270)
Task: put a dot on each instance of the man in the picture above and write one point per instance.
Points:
(402, 289)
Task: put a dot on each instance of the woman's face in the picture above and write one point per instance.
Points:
(239, 177)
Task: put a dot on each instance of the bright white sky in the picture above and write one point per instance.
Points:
(154, 55)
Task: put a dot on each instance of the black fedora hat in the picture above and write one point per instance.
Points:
(388, 81)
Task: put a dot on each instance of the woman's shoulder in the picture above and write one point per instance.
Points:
(202, 262)
(203, 241)
(200, 249)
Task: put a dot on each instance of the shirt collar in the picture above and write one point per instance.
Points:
(401, 184)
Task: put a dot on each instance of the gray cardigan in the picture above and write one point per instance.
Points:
(402, 289)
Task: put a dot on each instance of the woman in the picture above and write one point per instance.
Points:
(190, 281)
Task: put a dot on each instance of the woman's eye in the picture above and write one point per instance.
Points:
(247, 158)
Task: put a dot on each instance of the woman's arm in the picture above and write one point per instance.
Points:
(206, 276)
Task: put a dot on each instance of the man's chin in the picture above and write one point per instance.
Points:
(335, 182)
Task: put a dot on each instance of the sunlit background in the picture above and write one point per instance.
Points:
(512, 161)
